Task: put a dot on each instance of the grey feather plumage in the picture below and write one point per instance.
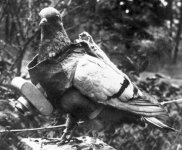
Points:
(95, 79)
(129, 100)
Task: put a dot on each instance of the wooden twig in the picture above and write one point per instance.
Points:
(35, 129)
(22, 53)
(8, 86)
(172, 101)
(32, 129)
(75, 8)
(18, 61)
(63, 13)
(15, 14)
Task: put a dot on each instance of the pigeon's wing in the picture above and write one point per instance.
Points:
(103, 84)
(128, 97)
(99, 53)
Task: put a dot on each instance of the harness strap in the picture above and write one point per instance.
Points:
(95, 113)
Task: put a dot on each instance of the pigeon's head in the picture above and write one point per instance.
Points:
(53, 35)
(51, 23)
(50, 16)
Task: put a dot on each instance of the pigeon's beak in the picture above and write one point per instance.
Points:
(43, 21)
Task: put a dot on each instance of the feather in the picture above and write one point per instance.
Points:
(158, 123)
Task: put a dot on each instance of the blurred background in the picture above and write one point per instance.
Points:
(142, 37)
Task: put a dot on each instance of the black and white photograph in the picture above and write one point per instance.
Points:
(90, 74)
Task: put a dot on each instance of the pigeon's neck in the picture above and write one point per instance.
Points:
(53, 40)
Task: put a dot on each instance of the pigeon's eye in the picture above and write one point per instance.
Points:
(53, 18)
(56, 17)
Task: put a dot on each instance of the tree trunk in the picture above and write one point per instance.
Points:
(170, 3)
(176, 50)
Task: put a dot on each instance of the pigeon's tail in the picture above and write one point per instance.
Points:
(159, 124)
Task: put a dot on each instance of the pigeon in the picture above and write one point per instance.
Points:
(52, 38)
(82, 81)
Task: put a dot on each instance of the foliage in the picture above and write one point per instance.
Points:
(134, 33)
(117, 25)
(124, 28)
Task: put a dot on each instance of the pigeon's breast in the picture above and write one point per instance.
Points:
(54, 76)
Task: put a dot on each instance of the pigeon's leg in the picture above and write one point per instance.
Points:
(71, 125)
(95, 143)
(95, 136)
(95, 132)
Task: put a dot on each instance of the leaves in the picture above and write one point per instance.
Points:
(134, 33)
